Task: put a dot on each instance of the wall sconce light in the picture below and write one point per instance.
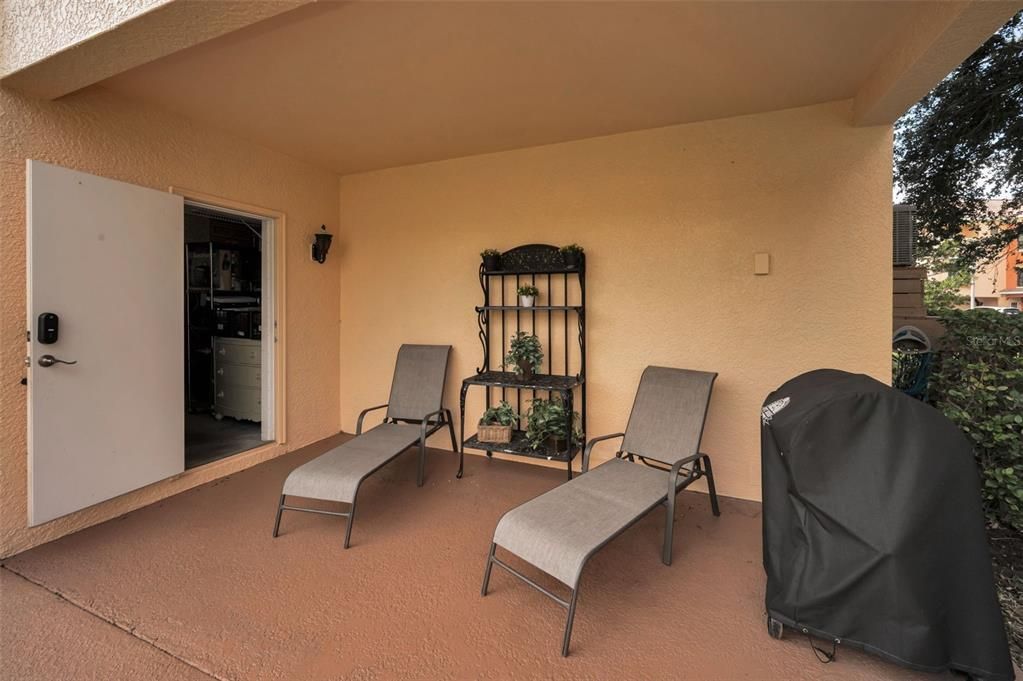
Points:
(321, 246)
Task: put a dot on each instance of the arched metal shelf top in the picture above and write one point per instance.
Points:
(534, 259)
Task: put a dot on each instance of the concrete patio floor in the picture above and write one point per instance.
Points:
(194, 587)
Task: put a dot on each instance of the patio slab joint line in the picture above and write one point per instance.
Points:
(113, 623)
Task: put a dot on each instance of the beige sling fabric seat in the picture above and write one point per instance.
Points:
(560, 530)
(542, 533)
(335, 476)
(414, 412)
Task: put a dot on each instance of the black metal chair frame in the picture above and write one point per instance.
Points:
(427, 428)
(699, 466)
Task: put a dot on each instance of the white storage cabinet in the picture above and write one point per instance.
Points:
(236, 377)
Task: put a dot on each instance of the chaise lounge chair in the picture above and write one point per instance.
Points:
(414, 412)
(560, 530)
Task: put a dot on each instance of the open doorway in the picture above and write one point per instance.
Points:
(229, 369)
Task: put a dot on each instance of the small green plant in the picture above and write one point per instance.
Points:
(501, 415)
(548, 419)
(525, 351)
(572, 255)
(528, 290)
(490, 253)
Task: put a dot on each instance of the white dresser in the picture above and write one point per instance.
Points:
(237, 378)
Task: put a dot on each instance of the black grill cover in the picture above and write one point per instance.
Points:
(873, 528)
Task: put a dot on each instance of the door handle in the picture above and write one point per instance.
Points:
(50, 360)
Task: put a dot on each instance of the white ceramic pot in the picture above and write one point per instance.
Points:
(527, 301)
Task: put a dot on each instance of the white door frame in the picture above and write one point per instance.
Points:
(272, 426)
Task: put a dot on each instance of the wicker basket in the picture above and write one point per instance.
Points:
(499, 434)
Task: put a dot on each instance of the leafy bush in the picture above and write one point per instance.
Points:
(978, 384)
(943, 296)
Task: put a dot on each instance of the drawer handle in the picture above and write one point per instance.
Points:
(220, 372)
(220, 394)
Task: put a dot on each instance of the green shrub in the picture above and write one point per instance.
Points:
(943, 296)
(978, 384)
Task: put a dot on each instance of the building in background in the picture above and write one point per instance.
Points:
(998, 283)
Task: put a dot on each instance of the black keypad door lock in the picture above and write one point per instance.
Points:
(48, 328)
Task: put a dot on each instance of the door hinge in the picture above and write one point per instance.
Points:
(28, 336)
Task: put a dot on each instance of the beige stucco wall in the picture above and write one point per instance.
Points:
(35, 29)
(670, 219)
(99, 132)
(51, 48)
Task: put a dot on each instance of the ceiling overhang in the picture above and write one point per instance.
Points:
(66, 62)
(361, 86)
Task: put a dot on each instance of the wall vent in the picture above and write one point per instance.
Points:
(903, 235)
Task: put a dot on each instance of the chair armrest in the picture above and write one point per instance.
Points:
(591, 443)
(426, 422)
(676, 468)
(689, 459)
(362, 415)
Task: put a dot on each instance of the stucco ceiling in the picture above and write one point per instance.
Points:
(355, 87)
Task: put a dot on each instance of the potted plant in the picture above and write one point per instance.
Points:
(497, 423)
(547, 426)
(491, 260)
(573, 255)
(527, 295)
(525, 354)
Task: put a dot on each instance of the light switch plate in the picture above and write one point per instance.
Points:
(761, 263)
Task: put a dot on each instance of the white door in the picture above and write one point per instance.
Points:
(106, 257)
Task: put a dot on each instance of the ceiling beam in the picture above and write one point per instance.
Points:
(945, 35)
(167, 28)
